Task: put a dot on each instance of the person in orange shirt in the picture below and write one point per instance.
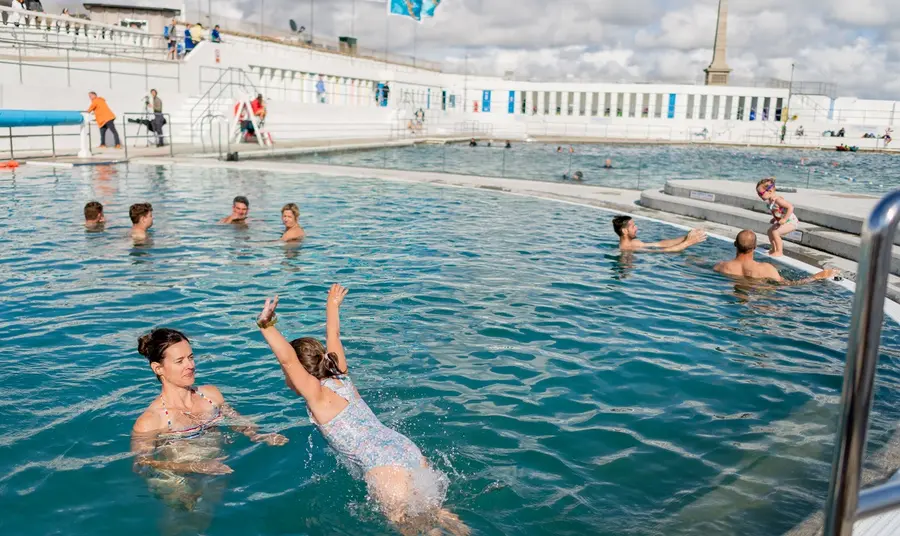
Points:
(106, 120)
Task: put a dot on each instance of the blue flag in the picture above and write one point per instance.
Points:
(428, 7)
(406, 8)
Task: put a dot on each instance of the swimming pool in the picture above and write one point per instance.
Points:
(636, 166)
(563, 387)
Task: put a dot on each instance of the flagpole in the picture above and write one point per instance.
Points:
(415, 39)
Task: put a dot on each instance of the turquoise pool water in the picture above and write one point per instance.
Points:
(637, 166)
(563, 388)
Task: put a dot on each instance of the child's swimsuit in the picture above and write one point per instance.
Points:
(358, 435)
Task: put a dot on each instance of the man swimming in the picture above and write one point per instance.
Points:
(626, 229)
(141, 215)
(240, 207)
(743, 264)
(93, 216)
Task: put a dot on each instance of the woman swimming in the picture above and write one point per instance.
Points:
(290, 217)
(783, 218)
(183, 412)
(391, 464)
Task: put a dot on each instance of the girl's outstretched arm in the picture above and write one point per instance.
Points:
(333, 325)
(302, 382)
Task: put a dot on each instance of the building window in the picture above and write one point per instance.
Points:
(689, 113)
(632, 105)
(559, 102)
(779, 108)
(645, 105)
(620, 104)
(715, 108)
(657, 109)
(607, 104)
(582, 103)
(742, 101)
(671, 110)
(754, 102)
(702, 107)
(546, 103)
(595, 103)
(767, 102)
(534, 102)
(729, 101)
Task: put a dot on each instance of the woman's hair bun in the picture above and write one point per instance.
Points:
(144, 345)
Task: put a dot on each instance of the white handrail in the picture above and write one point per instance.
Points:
(95, 30)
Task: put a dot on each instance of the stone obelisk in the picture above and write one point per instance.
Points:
(718, 71)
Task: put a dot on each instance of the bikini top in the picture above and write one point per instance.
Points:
(193, 431)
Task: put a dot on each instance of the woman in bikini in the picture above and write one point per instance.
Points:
(783, 218)
(177, 435)
(399, 478)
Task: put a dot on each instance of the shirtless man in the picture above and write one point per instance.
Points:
(290, 216)
(141, 215)
(743, 264)
(625, 227)
(93, 216)
(239, 209)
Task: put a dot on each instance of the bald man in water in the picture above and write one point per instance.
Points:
(744, 265)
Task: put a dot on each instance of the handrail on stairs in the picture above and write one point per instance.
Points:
(243, 81)
(845, 503)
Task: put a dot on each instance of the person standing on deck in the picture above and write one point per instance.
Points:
(158, 119)
(106, 120)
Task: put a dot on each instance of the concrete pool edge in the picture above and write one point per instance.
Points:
(610, 200)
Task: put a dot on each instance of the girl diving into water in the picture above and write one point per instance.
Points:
(397, 475)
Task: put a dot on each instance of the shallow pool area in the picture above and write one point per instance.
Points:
(564, 387)
(634, 166)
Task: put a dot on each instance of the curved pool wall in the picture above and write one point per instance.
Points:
(633, 166)
(549, 417)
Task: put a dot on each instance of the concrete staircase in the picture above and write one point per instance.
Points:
(830, 221)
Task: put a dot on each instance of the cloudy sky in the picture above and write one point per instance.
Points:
(853, 43)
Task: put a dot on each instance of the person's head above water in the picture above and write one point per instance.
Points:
(170, 355)
(93, 214)
(240, 207)
(745, 242)
(315, 359)
(625, 226)
(577, 176)
(290, 214)
(141, 215)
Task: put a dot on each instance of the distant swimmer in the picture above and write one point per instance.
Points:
(94, 220)
(508, 145)
(398, 476)
(141, 215)
(183, 411)
(559, 149)
(290, 217)
(240, 207)
(744, 265)
(783, 218)
(627, 230)
(473, 143)
(571, 149)
(608, 164)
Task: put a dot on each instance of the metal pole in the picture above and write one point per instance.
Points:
(790, 94)
(11, 155)
(415, 42)
(19, 49)
(68, 73)
(53, 140)
(862, 358)
(124, 134)
(312, 22)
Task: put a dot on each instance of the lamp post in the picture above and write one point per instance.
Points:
(790, 94)
(312, 22)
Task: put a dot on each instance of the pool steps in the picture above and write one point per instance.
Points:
(823, 228)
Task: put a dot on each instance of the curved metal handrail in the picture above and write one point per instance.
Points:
(845, 504)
